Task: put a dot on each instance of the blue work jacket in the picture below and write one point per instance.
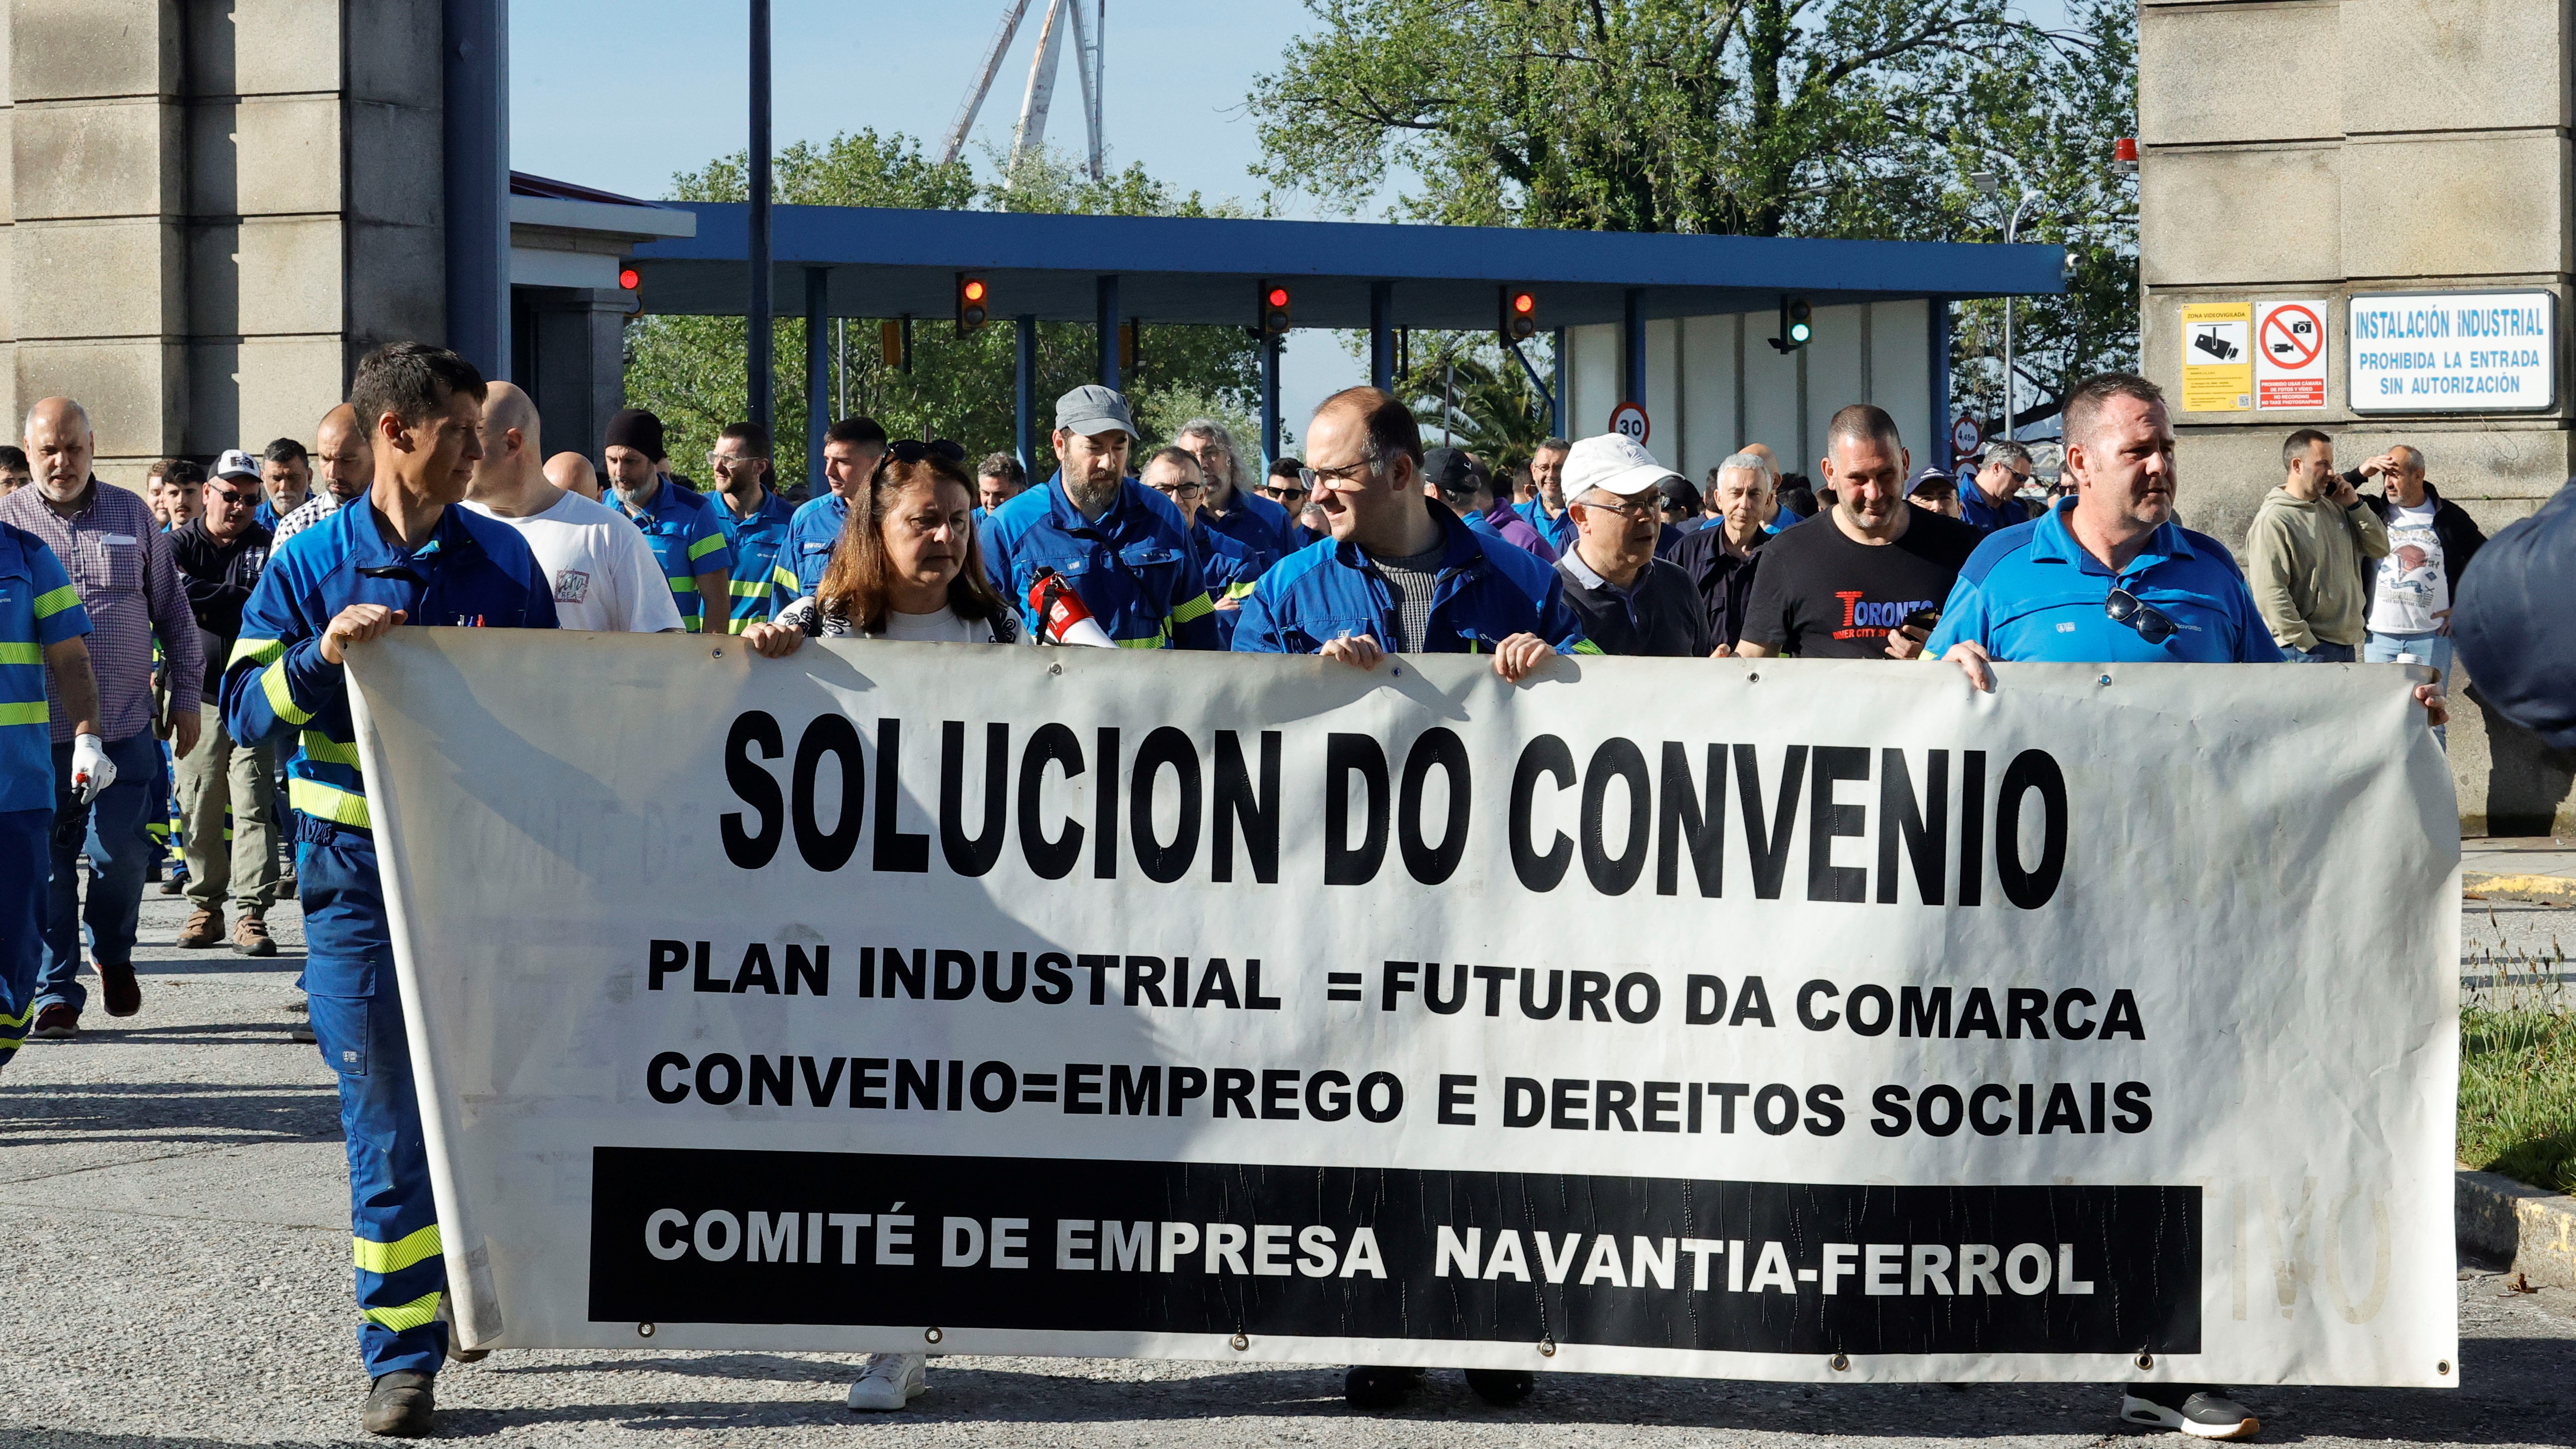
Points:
(687, 539)
(1258, 524)
(474, 572)
(1558, 531)
(39, 609)
(1135, 568)
(756, 542)
(807, 550)
(1485, 595)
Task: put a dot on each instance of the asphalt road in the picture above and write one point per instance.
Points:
(173, 1221)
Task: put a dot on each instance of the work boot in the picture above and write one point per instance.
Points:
(118, 988)
(402, 1405)
(251, 938)
(205, 928)
(58, 1022)
(177, 882)
(1502, 1388)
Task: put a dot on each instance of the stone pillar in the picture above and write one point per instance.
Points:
(214, 207)
(2297, 149)
(570, 356)
(97, 243)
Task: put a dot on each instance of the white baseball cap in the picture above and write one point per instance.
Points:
(237, 464)
(1613, 463)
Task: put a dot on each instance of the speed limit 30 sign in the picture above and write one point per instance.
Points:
(1629, 421)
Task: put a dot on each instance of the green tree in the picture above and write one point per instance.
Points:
(690, 370)
(1464, 386)
(1829, 118)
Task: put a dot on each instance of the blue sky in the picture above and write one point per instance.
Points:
(623, 95)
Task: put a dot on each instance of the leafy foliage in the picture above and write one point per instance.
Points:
(1825, 118)
(1465, 386)
(690, 370)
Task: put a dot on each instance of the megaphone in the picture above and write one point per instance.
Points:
(1062, 616)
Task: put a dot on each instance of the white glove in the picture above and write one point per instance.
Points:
(92, 770)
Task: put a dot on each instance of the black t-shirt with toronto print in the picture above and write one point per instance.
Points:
(1819, 595)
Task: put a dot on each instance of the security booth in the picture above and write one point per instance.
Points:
(1675, 335)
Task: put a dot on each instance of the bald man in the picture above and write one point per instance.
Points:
(605, 575)
(126, 579)
(346, 466)
(573, 473)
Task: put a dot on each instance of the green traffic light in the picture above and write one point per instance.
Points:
(1800, 331)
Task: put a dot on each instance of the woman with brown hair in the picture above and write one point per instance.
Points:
(908, 564)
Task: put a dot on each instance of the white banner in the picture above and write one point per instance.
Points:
(1778, 1020)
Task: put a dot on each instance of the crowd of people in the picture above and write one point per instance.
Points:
(190, 638)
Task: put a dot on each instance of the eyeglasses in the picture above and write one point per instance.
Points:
(1178, 490)
(909, 451)
(2152, 623)
(1281, 492)
(1342, 477)
(1633, 512)
(226, 494)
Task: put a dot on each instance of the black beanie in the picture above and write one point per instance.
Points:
(637, 429)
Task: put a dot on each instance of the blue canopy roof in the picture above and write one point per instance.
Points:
(884, 263)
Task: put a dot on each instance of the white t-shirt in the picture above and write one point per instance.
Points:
(944, 627)
(2414, 590)
(606, 578)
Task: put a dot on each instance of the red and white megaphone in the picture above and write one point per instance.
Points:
(1062, 616)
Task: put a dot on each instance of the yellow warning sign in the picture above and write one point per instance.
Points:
(2218, 357)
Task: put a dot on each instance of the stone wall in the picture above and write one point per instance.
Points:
(2319, 148)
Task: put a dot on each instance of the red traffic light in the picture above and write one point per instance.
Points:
(1524, 303)
(974, 290)
(629, 280)
(1519, 315)
(1274, 311)
(1279, 296)
(972, 295)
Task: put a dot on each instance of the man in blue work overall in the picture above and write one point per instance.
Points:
(852, 448)
(402, 553)
(754, 518)
(1116, 543)
(680, 525)
(1400, 575)
(42, 627)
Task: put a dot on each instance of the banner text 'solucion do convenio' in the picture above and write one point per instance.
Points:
(1778, 1020)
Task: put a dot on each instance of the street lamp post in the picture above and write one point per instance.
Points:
(1988, 183)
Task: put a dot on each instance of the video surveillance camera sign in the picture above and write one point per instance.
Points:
(2218, 357)
(2289, 356)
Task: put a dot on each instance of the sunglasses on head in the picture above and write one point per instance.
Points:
(909, 451)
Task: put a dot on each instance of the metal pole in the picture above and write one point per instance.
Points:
(818, 371)
(1382, 336)
(2012, 229)
(1632, 349)
(1105, 295)
(756, 352)
(1938, 366)
(1269, 401)
(1448, 396)
(1556, 395)
(1028, 391)
(475, 90)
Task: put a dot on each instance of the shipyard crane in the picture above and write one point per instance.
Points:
(1062, 16)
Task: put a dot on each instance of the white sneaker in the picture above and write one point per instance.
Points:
(2199, 1413)
(892, 1380)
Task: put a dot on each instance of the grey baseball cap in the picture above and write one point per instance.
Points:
(1091, 409)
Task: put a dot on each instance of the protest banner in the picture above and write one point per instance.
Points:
(1753, 1019)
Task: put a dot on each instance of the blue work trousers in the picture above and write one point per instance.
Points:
(358, 1024)
(23, 864)
(110, 828)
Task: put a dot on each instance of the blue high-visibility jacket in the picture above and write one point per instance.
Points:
(1485, 595)
(756, 542)
(1260, 525)
(1558, 531)
(1231, 568)
(682, 529)
(474, 572)
(807, 550)
(1135, 568)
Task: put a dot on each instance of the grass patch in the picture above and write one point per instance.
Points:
(2518, 1091)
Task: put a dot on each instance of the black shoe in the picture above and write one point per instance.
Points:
(2201, 1413)
(401, 1405)
(1378, 1387)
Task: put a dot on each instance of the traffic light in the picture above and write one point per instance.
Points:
(1520, 315)
(972, 295)
(1797, 324)
(1274, 311)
